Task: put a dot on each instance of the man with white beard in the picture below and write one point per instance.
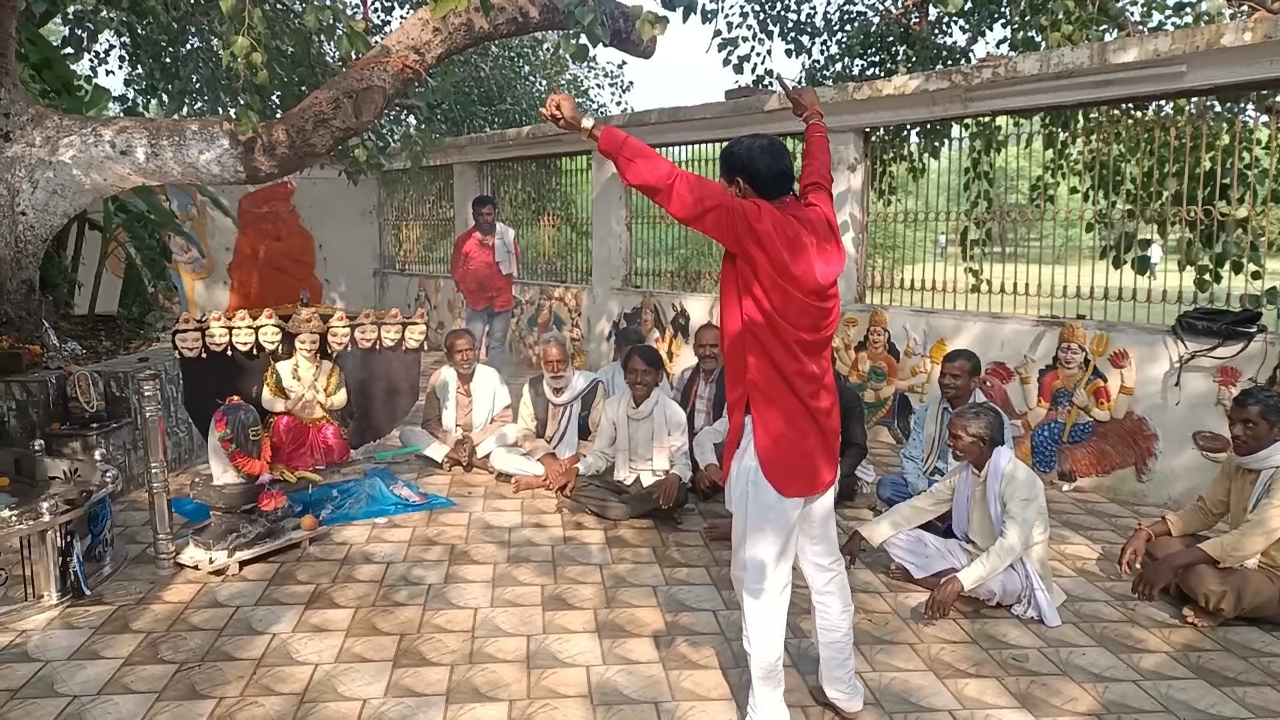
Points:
(559, 413)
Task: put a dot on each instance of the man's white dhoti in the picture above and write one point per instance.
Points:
(770, 533)
(924, 554)
(412, 435)
(514, 461)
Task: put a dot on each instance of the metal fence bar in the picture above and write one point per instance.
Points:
(547, 201)
(416, 219)
(1130, 212)
(666, 255)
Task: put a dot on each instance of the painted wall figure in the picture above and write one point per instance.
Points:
(670, 337)
(875, 366)
(1075, 427)
(274, 260)
(190, 257)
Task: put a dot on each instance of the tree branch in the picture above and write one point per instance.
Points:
(69, 162)
(9, 88)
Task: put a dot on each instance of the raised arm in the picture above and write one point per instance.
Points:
(815, 169)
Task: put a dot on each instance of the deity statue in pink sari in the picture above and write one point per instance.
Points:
(300, 392)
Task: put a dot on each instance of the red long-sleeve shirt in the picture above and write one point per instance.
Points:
(779, 304)
(475, 271)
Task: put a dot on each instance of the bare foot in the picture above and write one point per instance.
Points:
(721, 529)
(1196, 616)
(521, 483)
(899, 573)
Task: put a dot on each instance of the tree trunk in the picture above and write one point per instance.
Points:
(53, 166)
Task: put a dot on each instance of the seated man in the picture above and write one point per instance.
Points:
(639, 461)
(708, 454)
(465, 405)
(614, 379)
(559, 414)
(1235, 575)
(700, 392)
(1000, 552)
(925, 459)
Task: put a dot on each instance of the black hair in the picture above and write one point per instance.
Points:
(484, 201)
(762, 162)
(983, 421)
(627, 337)
(456, 334)
(647, 354)
(706, 326)
(966, 356)
(1264, 398)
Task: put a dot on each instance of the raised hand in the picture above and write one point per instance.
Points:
(804, 100)
(562, 111)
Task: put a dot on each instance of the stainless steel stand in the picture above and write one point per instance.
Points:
(163, 547)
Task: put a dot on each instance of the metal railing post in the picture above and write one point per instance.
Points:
(162, 541)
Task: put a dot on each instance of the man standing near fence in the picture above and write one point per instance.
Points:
(484, 267)
(779, 309)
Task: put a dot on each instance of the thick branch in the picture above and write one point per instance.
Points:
(119, 153)
(9, 89)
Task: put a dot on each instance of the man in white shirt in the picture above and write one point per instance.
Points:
(614, 379)
(1155, 253)
(639, 460)
(559, 413)
(465, 408)
(1000, 553)
(700, 392)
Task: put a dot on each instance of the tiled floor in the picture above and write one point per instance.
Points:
(502, 608)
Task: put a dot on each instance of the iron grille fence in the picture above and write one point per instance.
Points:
(1130, 212)
(666, 255)
(548, 203)
(415, 226)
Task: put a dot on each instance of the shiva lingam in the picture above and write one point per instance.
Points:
(241, 514)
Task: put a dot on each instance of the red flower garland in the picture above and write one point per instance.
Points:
(250, 466)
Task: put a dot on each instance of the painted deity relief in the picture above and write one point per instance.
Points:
(1213, 445)
(1076, 426)
(190, 259)
(668, 335)
(540, 310)
(1071, 420)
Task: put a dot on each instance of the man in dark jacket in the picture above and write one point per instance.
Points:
(707, 452)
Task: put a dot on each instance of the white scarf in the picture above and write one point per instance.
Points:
(1266, 462)
(1035, 595)
(489, 395)
(504, 249)
(627, 413)
(564, 439)
(935, 434)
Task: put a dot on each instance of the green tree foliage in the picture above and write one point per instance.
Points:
(1205, 200)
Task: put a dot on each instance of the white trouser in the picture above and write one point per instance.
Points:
(514, 461)
(924, 554)
(771, 532)
(411, 435)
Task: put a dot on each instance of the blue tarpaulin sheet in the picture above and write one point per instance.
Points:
(378, 494)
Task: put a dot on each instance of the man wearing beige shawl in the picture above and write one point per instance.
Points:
(1000, 518)
(1235, 575)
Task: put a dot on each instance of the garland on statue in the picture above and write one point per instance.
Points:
(246, 465)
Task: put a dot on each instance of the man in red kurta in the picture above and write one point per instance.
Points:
(483, 266)
(779, 307)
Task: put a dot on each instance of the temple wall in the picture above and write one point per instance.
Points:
(323, 236)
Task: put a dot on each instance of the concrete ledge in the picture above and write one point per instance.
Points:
(1218, 57)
